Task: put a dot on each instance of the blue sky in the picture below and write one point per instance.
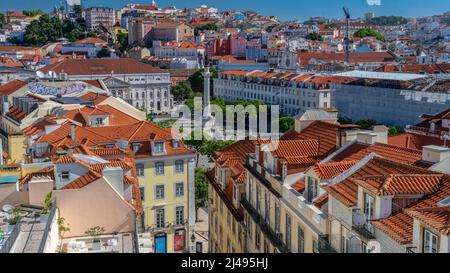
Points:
(285, 9)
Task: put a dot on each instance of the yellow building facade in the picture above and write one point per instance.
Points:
(167, 192)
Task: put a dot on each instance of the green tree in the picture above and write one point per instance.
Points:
(345, 120)
(48, 29)
(209, 147)
(286, 123)
(369, 32)
(314, 36)
(166, 123)
(33, 12)
(366, 123)
(181, 91)
(122, 40)
(395, 130)
(201, 190)
(2, 19)
(196, 79)
(104, 52)
(389, 21)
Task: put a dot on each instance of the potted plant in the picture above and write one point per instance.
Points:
(14, 218)
(96, 232)
(47, 207)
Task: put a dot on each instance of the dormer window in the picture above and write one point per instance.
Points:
(65, 175)
(313, 189)
(100, 121)
(159, 147)
(175, 144)
(136, 147)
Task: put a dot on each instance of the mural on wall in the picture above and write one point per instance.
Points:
(42, 89)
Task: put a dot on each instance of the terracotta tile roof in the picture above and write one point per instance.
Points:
(115, 117)
(347, 190)
(414, 141)
(296, 148)
(101, 67)
(332, 169)
(299, 186)
(46, 172)
(321, 201)
(11, 87)
(358, 151)
(394, 184)
(83, 180)
(437, 217)
(400, 225)
(370, 57)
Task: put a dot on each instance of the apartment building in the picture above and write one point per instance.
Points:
(391, 98)
(225, 188)
(164, 169)
(100, 16)
(187, 50)
(142, 85)
(308, 194)
(294, 93)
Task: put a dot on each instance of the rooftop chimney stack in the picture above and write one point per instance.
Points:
(72, 132)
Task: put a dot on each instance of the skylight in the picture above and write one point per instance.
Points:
(444, 203)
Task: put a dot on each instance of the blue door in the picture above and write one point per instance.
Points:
(160, 243)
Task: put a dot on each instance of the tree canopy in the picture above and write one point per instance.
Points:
(369, 32)
(49, 29)
(33, 12)
(286, 123)
(314, 36)
(366, 123)
(196, 79)
(201, 188)
(182, 91)
(388, 20)
(2, 19)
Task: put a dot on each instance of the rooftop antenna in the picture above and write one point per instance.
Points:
(347, 35)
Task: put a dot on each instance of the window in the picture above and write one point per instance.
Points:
(159, 192)
(100, 121)
(267, 208)
(429, 242)
(301, 240)
(175, 144)
(160, 218)
(159, 168)
(179, 189)
(65, 175)
(136, 146)
(257, 238)
(345, 242)
(277, 219)
(179, 166)
(140, 169)
(142, 191)
(179, 215)
(312, 189)
(288, 231)
(258, 202)
(159, 147)
(369, 202)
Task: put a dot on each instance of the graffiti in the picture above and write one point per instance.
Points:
(41, 89)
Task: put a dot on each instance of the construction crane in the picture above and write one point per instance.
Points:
(347, 35)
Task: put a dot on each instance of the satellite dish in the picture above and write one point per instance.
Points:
(40, 74)
(359, 218)
(373, 247)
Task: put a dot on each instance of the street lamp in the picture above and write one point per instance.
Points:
(193, 238)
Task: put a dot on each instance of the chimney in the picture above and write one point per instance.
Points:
(435, 154)
(72, 132)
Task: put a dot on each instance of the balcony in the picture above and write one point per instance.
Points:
(363, 228)
(323, 246)
(273, 236)
(272, 182)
